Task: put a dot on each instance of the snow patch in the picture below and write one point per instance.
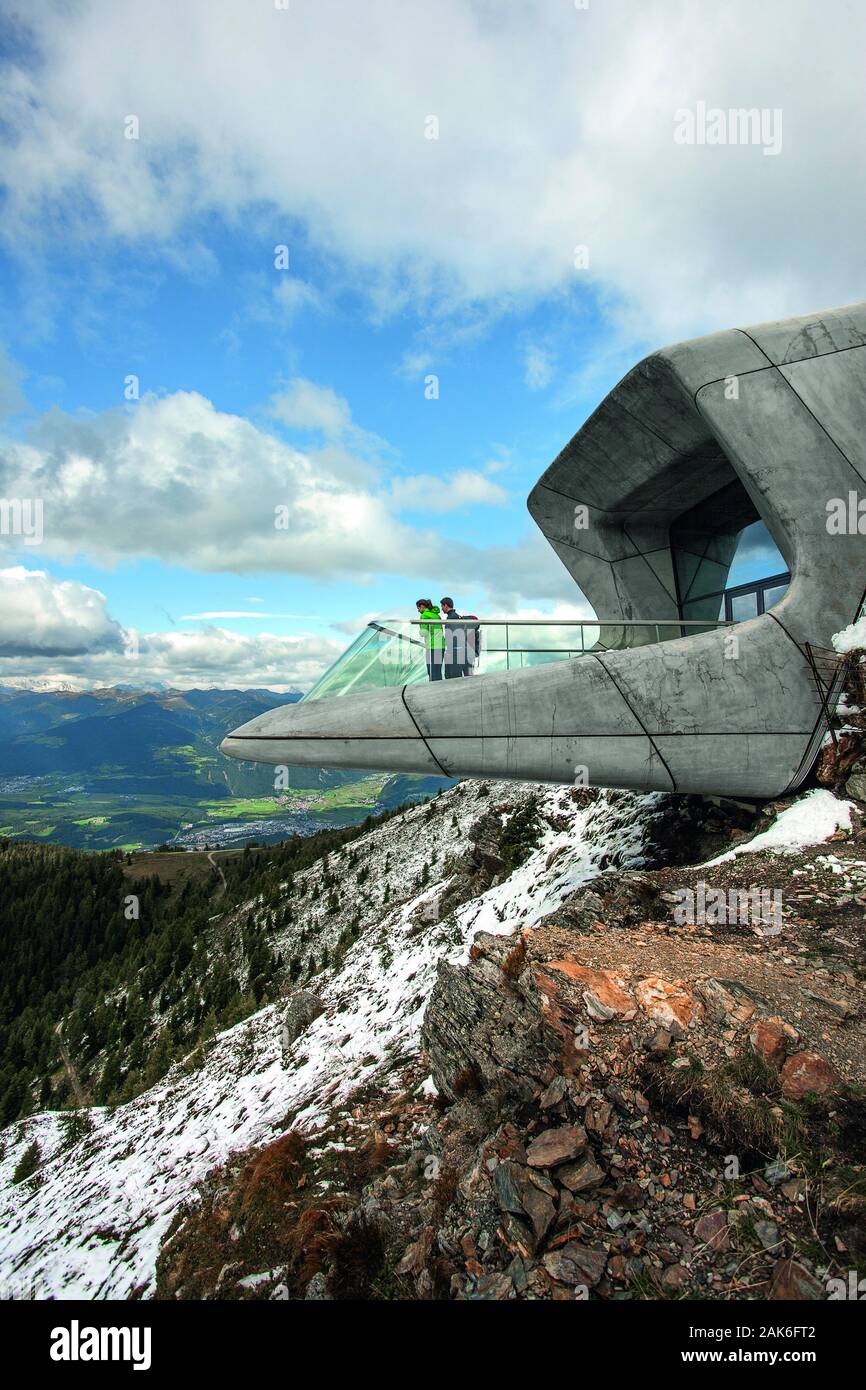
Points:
(810, 821)
(851, 637)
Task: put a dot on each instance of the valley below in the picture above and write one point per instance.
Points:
(131, 770)
(90, 816)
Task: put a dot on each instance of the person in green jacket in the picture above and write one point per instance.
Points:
(433, 636)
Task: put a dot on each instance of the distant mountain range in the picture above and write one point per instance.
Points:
(71, 761)
(169, 736)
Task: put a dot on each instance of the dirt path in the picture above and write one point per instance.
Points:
(68, 1063)
(215, 865)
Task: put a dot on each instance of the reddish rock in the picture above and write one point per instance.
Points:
(494, 1288)
(771, 1038)
(554, 855)
(712, 1229)
(604, 990)
(668, 1005)
(675, 1277)
(805, 1073)
(415, 1256)
(576, 1264)
(555, 1146)
(598, 1116)
(630, 1197)
(581, 1177)
(836, 759)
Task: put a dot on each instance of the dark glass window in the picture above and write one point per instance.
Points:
(744, 606)
(749, 600)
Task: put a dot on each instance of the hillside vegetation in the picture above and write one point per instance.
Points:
(137, 968)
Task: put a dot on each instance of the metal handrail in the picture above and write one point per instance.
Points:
(381, 628)
(568, 622)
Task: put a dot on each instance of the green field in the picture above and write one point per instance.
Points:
(50, 809)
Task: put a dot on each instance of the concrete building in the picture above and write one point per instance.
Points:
(645, 507)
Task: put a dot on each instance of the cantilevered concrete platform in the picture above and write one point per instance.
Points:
(644, 507)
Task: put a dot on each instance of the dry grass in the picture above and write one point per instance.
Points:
(514, 960)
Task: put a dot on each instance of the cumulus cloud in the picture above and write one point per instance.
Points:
(425, 492)
(215, 656)
(175, 479)
(44, 617)
(555, 129)
(345, 450)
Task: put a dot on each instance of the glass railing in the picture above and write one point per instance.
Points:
(404, 651)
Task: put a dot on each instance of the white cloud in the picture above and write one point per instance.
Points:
(303, 405)
(291, 295)
(174, 479)
(218, 657)
(45, 617)
(226, 613)
(426, 493)
(556, 129)
(347, 451)
(538, 367)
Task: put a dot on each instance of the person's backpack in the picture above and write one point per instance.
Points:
(472, 628)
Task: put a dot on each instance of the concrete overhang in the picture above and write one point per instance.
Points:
(694, 442)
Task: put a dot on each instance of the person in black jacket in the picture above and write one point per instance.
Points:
(459, 642)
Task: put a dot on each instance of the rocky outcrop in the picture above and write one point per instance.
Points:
(302, 1008)
(622, 1106)
(628, 1129)
(842, 763)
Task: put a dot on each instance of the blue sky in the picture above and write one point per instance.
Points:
(154, 257)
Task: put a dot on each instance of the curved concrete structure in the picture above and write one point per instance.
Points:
(645, 507)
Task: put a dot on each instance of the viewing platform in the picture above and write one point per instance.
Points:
(394, 651)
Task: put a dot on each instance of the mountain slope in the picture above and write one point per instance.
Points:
(90, 1221)
(601, 1032)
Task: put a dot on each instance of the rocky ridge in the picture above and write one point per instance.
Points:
(619, 1106)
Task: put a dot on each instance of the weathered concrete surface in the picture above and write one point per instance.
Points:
(695, 441)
